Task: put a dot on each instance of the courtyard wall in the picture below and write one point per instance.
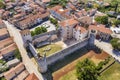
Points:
(61, 54)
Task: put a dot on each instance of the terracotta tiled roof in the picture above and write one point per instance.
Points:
(9, 74)
(5, 42)
(86, 19)
(22, 75)
(32, 77)
(100, 28)
(8, 49)
(31, 18)
(23, 32)
(45, 1)
(81, 29)
(56, 8)
(18, 73)
(3, 31)
(68, 22)
(19, 68)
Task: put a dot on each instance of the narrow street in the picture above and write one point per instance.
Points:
(26, 60)
(108, 48)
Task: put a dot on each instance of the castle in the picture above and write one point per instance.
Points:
(44, 61)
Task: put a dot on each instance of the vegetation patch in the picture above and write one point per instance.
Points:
(115, 42)
(49, 49)
(38, 30)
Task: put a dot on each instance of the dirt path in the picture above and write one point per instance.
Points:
(58, 74)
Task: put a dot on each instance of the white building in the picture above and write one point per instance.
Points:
(71, 29)
(79, 32)
(66, 27)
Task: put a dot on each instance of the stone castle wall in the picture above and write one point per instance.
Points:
(61, 54)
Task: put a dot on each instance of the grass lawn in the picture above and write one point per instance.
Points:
(69, 76)
(112, 73)
(52, 49)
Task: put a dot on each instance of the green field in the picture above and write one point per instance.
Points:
(69, 76)
(112, 73)
(52, 49)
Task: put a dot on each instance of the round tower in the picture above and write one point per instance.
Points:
(42, 64)
(91, 38)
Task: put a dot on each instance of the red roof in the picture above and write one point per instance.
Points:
(32, 77)
(100, 28)
(68, 22)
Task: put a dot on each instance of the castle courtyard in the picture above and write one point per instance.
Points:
(50, 49)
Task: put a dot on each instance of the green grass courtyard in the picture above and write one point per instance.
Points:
(112, 73)
(49, 49)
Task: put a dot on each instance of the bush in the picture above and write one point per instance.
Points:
(100, 65)
(2, 61)
(17, 54)
(38, 30)
(54, 21)
(115, 43)
(2, 5)
(102, 19)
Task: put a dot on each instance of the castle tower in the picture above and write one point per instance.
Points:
(42, 64)
(91, 38)
(26, 36)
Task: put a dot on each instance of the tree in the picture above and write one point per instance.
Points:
(2, 5)
(116, 22)
(38, 30)
(43, 29)
(114, 2)
(102, 19)
(115, 42)
(32, 33)
(54, 21)
(17, 54)
(86, 70)
(56, 2)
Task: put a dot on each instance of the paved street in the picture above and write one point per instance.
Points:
(52, 27)
(108, 48)
(26, 60)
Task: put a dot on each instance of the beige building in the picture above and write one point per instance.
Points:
(79, 32)
(17, 73)
(66, 27)
(4, 33)
(101, 31)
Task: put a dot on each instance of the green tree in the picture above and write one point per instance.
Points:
(56, 2)
(43, 29)
(54, 21)
(32, 33)
(38, 30)
(86, 70)
(102, 19)
(114, 2)
(116, 22)
(115, 42)
(17, 54)
(2, 5)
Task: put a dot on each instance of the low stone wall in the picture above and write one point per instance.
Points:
(61, 54)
